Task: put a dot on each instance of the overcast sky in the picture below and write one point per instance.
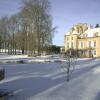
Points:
(66, 13)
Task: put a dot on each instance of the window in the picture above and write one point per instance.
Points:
(84, 35)
(89, 43)
(94, 43)
(94, 52)
(81, 44)
(96, 34)
(67, 45)
(72, 44)
(67, 38)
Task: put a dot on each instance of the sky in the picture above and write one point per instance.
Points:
(65, 14)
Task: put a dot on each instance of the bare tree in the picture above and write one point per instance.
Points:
(12, 30)
(29, 30)
(70, 61)
(3, 32)
(38, 13)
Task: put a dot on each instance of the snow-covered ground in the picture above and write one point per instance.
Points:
(47, 81)
(4, 58)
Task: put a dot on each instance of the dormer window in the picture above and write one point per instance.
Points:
(84, 35)
(96, 34)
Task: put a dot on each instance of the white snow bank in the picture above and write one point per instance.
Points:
(13, 56)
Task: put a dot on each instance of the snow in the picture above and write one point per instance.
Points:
(1, 68)
(90, 32)
(47, 81)
(96, 71)
(4, 58)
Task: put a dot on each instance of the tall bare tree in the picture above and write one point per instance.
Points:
(29, 30)
(38, 13)
(3, 32)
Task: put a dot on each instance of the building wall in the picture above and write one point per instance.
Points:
(98, 47)
(71, 41)
(83, 35)
(83, 44)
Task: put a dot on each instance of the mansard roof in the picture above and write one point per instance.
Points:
(89, 31)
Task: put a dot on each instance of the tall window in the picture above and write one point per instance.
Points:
(72, 44)
(81, 44)
(94, 52)
(89, 43)
(67, 45)
(94, 43)
(67, 38)
(72, 38)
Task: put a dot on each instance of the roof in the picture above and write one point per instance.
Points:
(90, 32)
(69, 33)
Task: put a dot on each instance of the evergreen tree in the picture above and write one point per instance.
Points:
(97, 26)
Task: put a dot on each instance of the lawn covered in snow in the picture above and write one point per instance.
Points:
(6, 59)
(47, 81)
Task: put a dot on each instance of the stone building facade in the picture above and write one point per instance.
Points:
(85, 39)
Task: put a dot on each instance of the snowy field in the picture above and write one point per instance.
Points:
(4, 58)
(47, 81)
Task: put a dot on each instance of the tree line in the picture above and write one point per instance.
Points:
(29, 30)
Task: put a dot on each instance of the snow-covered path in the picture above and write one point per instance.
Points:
(48, 81)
